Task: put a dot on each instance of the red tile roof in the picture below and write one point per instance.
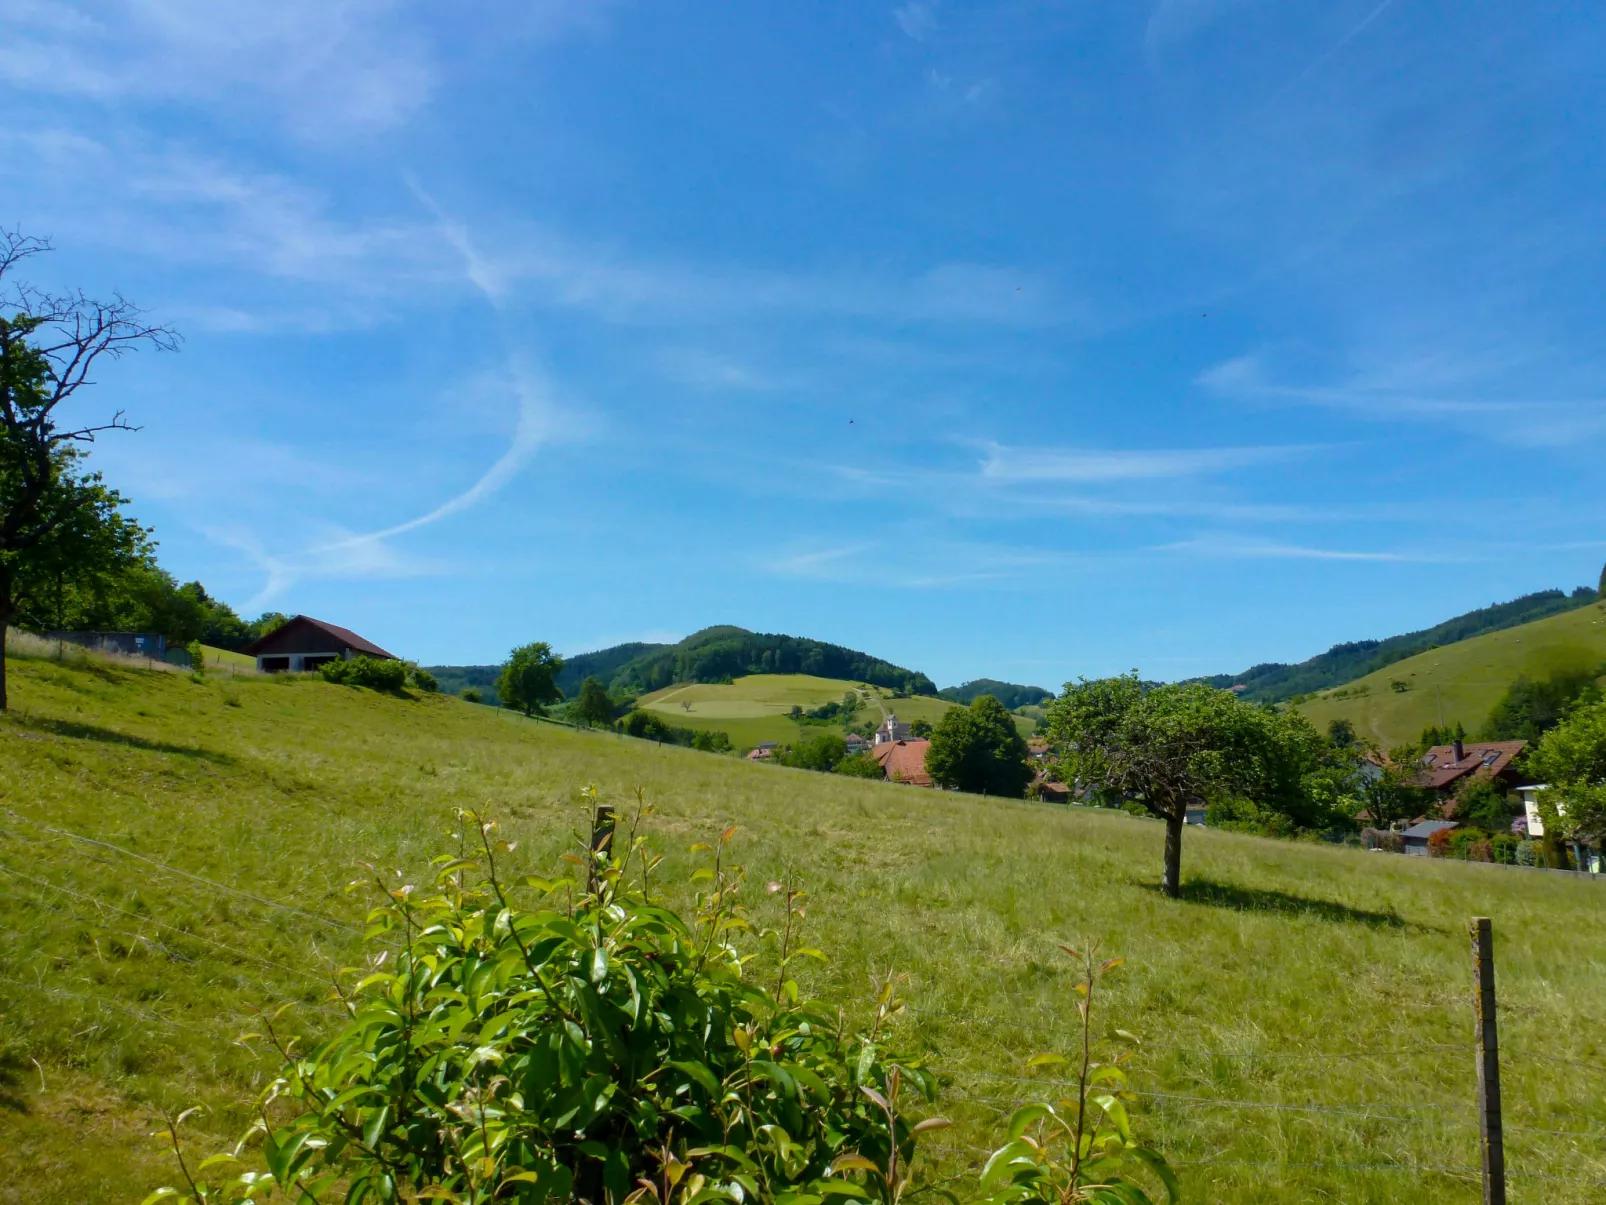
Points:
(904, 761)
(1440, 769)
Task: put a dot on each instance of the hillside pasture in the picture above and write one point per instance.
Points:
(1462, 681)
(750, 709)
(171, 851)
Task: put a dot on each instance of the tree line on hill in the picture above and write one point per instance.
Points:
(715, 654)
(1276, 682)
(720, 654)
(1010, 694)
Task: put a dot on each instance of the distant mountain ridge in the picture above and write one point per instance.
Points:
(711, 655)
(1276, 682)
(1010, 694)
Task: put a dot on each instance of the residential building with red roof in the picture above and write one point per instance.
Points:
(904, 761)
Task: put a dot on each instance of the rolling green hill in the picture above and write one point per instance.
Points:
(1010, 694)
(171, 851)
(713, 655)
(1462, 681)
(1274, 682)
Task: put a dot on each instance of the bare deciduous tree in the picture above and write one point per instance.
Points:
(50, 343)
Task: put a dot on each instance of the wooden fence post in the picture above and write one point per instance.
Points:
(1489, 1126)
(601, 839)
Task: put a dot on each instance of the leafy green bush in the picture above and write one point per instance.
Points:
(373, 672)
(472, 694)
(821, 752)
(599, 1048)
(197, 658)
(422, 679)
(861, 765)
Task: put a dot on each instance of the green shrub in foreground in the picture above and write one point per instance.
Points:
(597, 1047)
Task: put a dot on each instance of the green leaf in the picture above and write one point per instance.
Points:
(1156, 1163)
(1025, 1117)
(1046, 1060)
(161, 1194)
(1002, 1165)
(700, 1075)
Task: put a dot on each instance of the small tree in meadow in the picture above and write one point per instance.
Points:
(1174, 746)
(593, 706)
(528, 679)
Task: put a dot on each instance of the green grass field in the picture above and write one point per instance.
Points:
(754, 708)
(1462, 681)
(751, 709)
(171, 851)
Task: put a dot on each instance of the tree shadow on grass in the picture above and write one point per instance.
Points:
(1216, 894)
(11, 1069)
(108, 736)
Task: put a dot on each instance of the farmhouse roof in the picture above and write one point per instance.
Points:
(1442, 768)
(1424, 829)
(904, 761)
(341, 638)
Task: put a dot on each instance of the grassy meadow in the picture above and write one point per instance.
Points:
(1464, 679)
(754, 708)
(173, 850)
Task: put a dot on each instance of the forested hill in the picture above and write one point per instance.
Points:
(1010, 694)
(719, 653)
(1274, 682)
(711, 655)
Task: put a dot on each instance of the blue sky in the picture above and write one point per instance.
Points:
(1024, 340)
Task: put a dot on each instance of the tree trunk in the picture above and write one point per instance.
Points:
(1172, 884)
(5, 620)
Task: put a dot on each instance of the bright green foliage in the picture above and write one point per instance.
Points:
(422, 679)
(197, 658)
(1482, 803)
(593, 705)
(979, 749)
(472, 694)
(1172, 747)
(1572, 760)
(1341, 733)
(373, 672)
(820, 752)
(1080, 1148)
(509, 1042)
(1530, 708)
(921, 729)
(527, 678)
(860, 765)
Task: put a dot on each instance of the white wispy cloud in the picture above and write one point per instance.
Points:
(1469, 390)
(1091, 466)
(1236, 547)
(325, 68)
(917, 20)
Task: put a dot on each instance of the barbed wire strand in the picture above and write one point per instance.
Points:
(184, 874)
(150, 920)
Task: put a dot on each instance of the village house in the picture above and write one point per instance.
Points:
(1448, 768)
(1585, 856)
(855, 743)
(303, 644)
(904, 761)
(763, 751)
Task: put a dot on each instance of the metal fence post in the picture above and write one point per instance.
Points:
(1490, 1131)
(601, 839)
